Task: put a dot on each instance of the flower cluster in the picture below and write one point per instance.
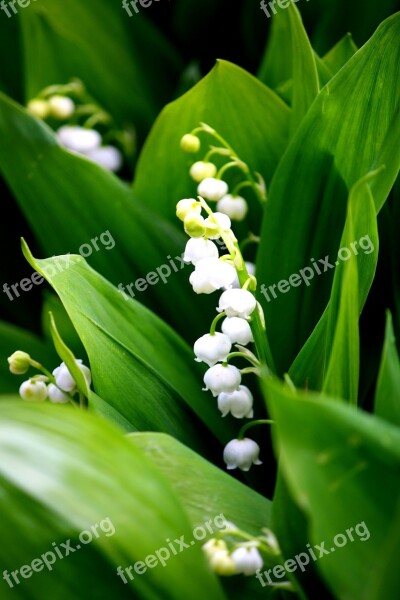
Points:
(230, 557)
(59, 387)
(79, 116)
(233, 278)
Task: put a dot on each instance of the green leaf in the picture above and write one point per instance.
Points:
(387, 394)
(217, 493)
(117, 67)
(340, 54)
(342, 468)
(293, 60)
(96, 215)
(330, 358)
(64, 471)
(140, 366)
(250, 116)
(358, 104)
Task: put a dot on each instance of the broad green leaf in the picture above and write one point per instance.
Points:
(289, 55)
(203, 489)
(387, 394)
(250, 116)
(330, 359)
(140, 366)
(13, 338)
(340, 54)
(359, 104)
(95, 214)
(64, 471)
(117, 66)
(342, 467)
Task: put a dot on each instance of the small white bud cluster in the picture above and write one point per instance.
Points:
(38, 388)
(82, 140)
(210, 186)
(243, 559)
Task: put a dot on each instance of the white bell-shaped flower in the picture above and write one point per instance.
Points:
(237, 303)
(235, 207)
(64, 379)
(247, 560)
(79, 139)
(199, 248)
(212, 348)
(33, 390)
(108, 157)
(55, 395)
(241, 454)
(222, 378)
(239, 403)
(211, 274)
(214, 225)
(202, 170)
(217, 554)
(212, 189)
(194, 224)
(61, 107)
(238, 330)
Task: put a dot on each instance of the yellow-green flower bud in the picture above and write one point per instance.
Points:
(61, 107)
(202, 170)
(186, 206)
(190, 143)
(19, 362)
(194, 224)
(39, 108)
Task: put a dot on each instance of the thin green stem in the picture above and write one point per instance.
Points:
(253, 424)
(215, 321)
(251, 360)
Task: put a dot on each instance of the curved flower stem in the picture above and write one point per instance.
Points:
(214, 323)
(253, 424)
(251, 179)
(251, 360)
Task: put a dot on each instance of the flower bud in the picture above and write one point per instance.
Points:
(64, 379)
(39, 108)
(222, 564)
(186, 206)
(215, 224)
(211, 274)
(235, 207)
(190, 143)
(108, 157)
(33, 390)
(79, 139)
(212, 348)
(194, 224)
(56, 395)
(237, 303)
(238, 330)
(241, 454)
(19, 362)
(199, 248)
(239, 403)
(222, 378)
(247, 560)
(212, 189)
(61, 107)
(201, 170)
